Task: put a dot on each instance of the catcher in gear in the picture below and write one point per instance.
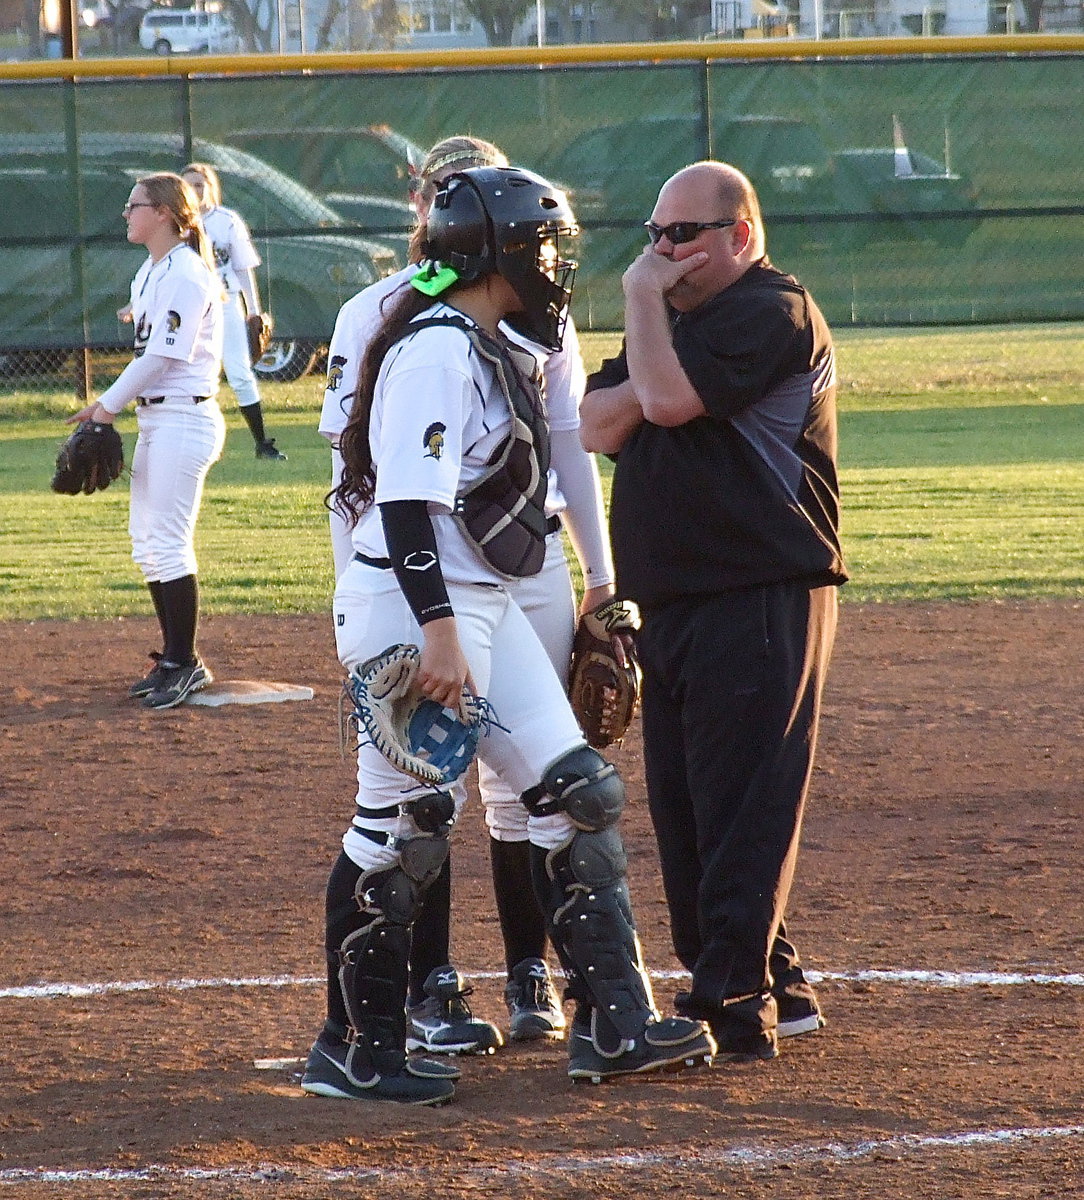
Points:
(246, 329)
(574, 508)
(604, 678)
(495, 239)
(89, 460)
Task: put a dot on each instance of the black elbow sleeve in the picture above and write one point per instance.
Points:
(412, 548)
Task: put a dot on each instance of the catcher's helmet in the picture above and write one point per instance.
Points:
(507, 221)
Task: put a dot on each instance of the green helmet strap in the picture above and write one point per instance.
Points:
(433, 279)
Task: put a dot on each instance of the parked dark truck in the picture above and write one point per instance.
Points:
(57, 258)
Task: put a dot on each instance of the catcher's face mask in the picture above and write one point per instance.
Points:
(507, 221)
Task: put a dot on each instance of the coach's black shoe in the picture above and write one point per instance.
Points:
(743, 1032)
(267, 449)
(153, 678)
(533, 1006)
(332, 1071)
(177, 684)
(672, 1044)
(798, 1015)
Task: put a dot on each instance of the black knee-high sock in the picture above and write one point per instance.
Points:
(180, 604)
(430, 936)
(155, 590)
(253, 414)
(523, 924)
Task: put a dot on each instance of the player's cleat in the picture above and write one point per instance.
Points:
(533, 1006)
(798, 1015)
(672, 1044)
(146, 685)
(328, 1073)
(444, 1023)
(268, 449)
(177, 684)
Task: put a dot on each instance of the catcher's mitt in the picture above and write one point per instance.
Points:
(89, 460)
(258, 326)
(416, 735)
(602, 691)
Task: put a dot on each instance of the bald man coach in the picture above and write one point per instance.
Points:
(720, 414)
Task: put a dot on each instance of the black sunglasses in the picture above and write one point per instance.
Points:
(678, 232)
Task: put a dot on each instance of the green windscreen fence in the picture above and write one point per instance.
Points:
(927, 190)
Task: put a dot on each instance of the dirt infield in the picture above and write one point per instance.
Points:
(186, 852)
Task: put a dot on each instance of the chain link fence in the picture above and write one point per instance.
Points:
(913, 190)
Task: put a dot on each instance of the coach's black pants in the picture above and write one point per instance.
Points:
(731, 702)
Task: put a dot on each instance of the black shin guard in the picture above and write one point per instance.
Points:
(180, 608)
(253, 414)
(593, 931)
(523, 923)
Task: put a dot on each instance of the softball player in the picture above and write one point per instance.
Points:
(235, 258)
(441, 397)
(439, 1017)
(176, 307)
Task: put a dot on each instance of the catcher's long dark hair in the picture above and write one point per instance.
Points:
(355, 492)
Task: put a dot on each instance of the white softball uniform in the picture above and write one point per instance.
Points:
(432, 379)
(177, 313)
(574, 495)
(235, 258)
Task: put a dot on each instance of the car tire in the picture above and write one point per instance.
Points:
(162, 47)
(286, 360)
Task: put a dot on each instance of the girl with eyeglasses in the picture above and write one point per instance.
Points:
(176, 309)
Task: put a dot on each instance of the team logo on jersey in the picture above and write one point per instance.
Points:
(434, 440)
(142, 333)
(420, 560)
(222, 256)
(173, 321)
(335, 372)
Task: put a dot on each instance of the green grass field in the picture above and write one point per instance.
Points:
(962, 454)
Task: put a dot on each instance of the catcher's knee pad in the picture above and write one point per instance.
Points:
(593, 927)
(433, 813)
(583, 785)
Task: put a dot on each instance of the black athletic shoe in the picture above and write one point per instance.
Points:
(443, 1022)
(738, 1029)
(327, 1073)
(798, 1015)
(533, 1006)
(673, 1044)
(177, 684)
(146, 685)
(267, 449)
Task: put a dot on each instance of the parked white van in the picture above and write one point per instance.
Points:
(187, 31)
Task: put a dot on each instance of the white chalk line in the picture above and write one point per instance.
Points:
(754, 1157)
(944, 979)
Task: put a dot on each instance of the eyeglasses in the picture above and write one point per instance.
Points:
(128, 208)
(679, 232)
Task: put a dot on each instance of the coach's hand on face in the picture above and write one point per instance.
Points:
(654, 272)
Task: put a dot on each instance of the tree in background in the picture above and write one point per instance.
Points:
(499, 18)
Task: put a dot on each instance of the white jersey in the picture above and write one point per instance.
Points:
(177, 313)
(438, 416)
(232, 243)
(564, 378)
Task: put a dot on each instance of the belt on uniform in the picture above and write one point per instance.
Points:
(143, 401)
(384, 564)
(381, 564)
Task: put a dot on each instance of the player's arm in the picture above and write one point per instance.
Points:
(137, 379)
(665, 393)
(584, 516)
(412, 548)
(250, 290)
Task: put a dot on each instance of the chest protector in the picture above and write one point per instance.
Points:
(503, 512)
